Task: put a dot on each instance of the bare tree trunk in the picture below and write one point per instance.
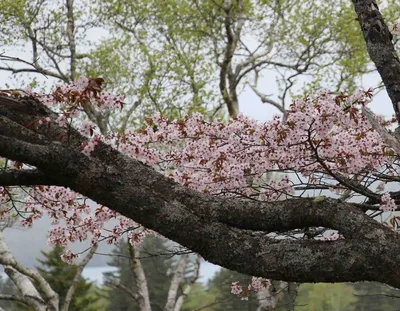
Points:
(141, 282)
(181, 299)
(77, 277)
(175, 282)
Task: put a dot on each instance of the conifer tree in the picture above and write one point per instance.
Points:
(60, 275)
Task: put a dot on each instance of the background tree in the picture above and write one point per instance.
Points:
(156, 268)
(327, 297)
(7, 287)
(60, 276)
(374, 296)
(160, 273)
(179, 57)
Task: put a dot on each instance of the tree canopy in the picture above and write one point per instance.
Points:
(206, 191)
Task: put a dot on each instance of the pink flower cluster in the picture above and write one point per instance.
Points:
(256, 285)
(231, 159)
(334, 236)
(387, 203)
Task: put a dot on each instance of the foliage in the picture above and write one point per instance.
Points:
(167, 56)
(200, 299)
(327, 297)
(375, 297)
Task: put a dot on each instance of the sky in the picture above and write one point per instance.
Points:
(27, 243)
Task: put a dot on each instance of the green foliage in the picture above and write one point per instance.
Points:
(60, 275)
(327, 297)
(165, 55)
(200, 298)
(375, 297)
(155, 267)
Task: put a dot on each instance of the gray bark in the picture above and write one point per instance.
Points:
(380, 48)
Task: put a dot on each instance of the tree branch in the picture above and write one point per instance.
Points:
(22, 276)
(71, 37)
(188, 288)
(13, 298)
(77, 278)
(143, 296)
(227, 232)
(380, 48)
(124, 289)
(175, 282)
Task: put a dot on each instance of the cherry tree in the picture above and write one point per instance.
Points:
(202, 184)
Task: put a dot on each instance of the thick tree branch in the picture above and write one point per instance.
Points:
(380, 48)
(227, 232)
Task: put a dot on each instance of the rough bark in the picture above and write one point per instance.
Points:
(380, 48)
(227, 232)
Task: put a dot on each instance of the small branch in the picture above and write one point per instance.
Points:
(266, 100)
(175, 282)
(36, 68)
(389, 139)
(71, 37)
(140, 278)
(13, 298)
(77, 278)
(188, 288)
(124, 289)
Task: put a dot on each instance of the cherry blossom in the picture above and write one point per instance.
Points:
(325, 143)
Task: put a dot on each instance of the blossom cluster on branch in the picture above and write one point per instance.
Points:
(325, 144)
